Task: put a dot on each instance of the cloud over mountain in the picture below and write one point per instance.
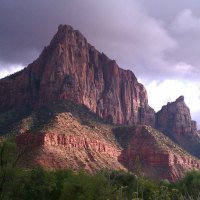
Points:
(157, 40)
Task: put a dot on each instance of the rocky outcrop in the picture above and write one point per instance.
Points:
(70, 68)
(175, 121)
(54, 151)
(67, 143)
(175, 118)
(150, 153)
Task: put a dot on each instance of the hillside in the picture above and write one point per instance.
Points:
(67, 135)
(150, 153)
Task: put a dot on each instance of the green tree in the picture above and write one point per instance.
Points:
(190, 185)
(34, 184)
(82, 186)
(8, 162)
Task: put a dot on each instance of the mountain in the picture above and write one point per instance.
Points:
(174, 119)
(70, 68)
(74, 107)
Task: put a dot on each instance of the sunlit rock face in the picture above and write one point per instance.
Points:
(60, 151)
(150, 153)
(174, 120)
(66, 142)
(70, 68)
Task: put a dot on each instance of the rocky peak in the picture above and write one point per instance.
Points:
(174, 120)
(180, 99)
(71, 69)
(61, 34)
(64, 34)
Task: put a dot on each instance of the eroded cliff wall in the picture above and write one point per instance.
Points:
(70, 68)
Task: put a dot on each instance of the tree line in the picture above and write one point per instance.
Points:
(18, 183)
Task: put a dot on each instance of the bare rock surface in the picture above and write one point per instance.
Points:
(69, 144)
(151, 153)
(174, 119)
(70, 68)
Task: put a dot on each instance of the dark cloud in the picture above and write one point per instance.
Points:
(132, 32)
(122, 30)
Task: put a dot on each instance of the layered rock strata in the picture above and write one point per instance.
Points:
(150, 153)
(54, 151)
(147, 152)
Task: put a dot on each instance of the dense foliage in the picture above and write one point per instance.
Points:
(17, 183)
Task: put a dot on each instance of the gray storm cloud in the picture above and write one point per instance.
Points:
(137, 34)
(123, 30)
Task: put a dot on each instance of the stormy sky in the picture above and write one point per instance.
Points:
(158, 40)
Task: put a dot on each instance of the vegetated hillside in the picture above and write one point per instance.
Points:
(37, 183)
(67, 135)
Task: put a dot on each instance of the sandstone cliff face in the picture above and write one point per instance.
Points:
(174, 120)
(151, 153)
(70, 68)
(175, 117)
(54, 151)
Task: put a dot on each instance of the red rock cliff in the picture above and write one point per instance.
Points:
(153, 154)
(70, 68)
(174, 120)
(55, 151)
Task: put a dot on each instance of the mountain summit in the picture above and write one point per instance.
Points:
(70, 68)
(174, 119)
